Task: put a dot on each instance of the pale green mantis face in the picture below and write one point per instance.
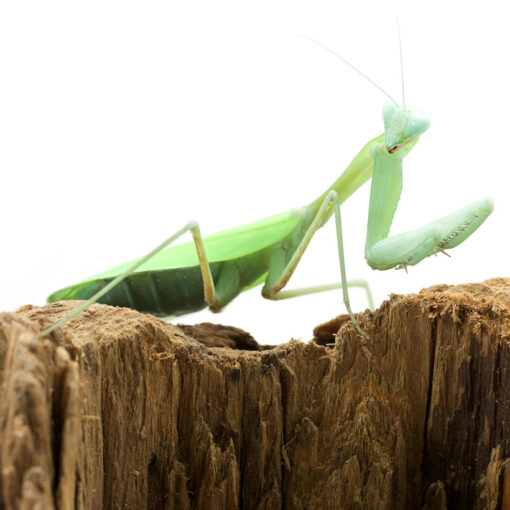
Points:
(402, 126)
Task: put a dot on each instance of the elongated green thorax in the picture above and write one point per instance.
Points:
(355, 175)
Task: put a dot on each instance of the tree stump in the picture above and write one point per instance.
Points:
(118, 409)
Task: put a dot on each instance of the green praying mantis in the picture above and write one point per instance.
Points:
(211, 271)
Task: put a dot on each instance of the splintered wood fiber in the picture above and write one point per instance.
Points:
(119, 410)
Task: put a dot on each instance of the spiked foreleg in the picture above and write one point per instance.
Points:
(409, 248)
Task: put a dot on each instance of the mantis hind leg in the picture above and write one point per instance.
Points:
(274, 290)
(210, 296)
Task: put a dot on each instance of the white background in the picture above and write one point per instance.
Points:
(120, 121)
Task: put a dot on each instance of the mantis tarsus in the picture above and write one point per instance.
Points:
(212, 271)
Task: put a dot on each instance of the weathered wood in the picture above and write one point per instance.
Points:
(120, 410)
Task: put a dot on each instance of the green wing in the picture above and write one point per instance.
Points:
(225, 245)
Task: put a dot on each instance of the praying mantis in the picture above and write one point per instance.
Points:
(211, 271)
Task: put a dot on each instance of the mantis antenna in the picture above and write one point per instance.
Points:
(401, 63)
(351, 65)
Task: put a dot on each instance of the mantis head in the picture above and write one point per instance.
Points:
(402, 126)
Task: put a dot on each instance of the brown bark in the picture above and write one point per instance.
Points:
(120, 410)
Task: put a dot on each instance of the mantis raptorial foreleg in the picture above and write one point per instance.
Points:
(275, 283)
(409, 248)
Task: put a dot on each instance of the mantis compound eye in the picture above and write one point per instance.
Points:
(388, 110)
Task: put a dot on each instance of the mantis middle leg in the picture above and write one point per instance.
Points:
(273, 290)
